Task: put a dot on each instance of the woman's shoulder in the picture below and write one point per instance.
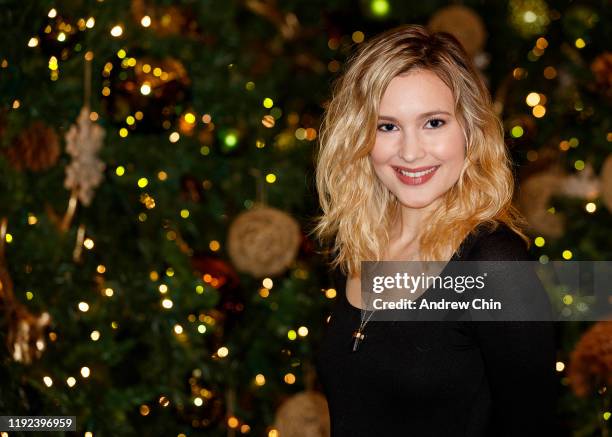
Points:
(499, 243)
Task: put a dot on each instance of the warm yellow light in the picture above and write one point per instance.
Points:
(232, 422)
(560, 366)
(184, 213)
(260, 379)
(145, 21)
(198, 402)
(291, 335)
(190, 118)
(302, 331)
(91, 21)
(532, 99)
(178, 329)
(95, 335)
(567, 254)
(52, 13)
(214, 245)
(330, 293)
(590, 207)
(268, 102)
(539, 241)
(48, 381)
(85, 372)
(88, 243)
(539, 111)
(116, 31)
(223, 352)
(289, 378)
(70, 381)
(580, 43)
(108, 292)
(120, 171)
(270, 178)
(33, 42)
(143, 182)
(174, 137)
(267, 283)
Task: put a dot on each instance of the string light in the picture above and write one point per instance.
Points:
(116, 31)
(330, 293)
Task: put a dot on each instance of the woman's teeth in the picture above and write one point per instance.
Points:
(416, 174)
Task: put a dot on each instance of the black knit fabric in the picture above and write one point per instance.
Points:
(451, 378)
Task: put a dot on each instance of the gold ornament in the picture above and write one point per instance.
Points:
(606, 182)
(287, 24)
(583, 185)
(534, 196)
(304, 414)
(529, 17)
(263, 241)
(26, 336)
(464, 24)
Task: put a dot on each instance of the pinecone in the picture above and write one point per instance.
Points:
(591, 360)
(36, 148)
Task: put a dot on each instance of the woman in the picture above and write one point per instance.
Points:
(412, 165)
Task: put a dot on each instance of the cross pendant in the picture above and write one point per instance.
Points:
(358, 336)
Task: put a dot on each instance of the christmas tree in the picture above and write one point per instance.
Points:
(157, 274)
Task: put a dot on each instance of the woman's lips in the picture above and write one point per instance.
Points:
(415, 176)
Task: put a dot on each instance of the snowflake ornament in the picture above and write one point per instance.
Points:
(85, 171)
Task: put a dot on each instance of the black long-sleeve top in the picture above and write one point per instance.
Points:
(447, 378)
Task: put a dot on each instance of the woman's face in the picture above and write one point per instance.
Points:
(420, 147)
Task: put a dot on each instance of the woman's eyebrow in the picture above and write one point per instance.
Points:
(421, 116)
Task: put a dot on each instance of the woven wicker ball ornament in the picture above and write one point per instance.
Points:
(263, 241)
(464, 24)
(304, 414)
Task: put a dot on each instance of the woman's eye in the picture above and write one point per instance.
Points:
(435, 122)
(384, 125)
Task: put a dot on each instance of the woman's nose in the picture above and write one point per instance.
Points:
(411, 149)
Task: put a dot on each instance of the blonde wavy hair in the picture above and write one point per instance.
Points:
(358, 210)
